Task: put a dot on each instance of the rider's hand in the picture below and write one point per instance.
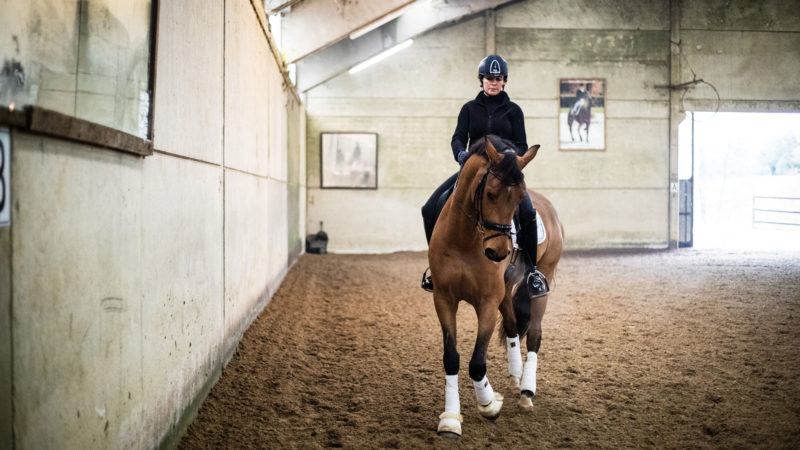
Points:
(462, 156)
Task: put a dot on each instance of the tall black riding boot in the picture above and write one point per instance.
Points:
(430, 214)
(536, 281)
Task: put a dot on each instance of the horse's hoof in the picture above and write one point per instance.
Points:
(525, 402)
(449, 435)
(492, 410)
(449, 425)
(515, 381)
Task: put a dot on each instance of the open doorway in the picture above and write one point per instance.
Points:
(740, 181)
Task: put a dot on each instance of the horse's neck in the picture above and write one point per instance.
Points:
(462, 208)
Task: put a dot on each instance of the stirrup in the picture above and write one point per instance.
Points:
(427, 282)
(537, 284)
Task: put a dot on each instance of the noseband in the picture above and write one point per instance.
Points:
(483, 224)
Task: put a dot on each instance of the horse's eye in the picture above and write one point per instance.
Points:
(491, 196)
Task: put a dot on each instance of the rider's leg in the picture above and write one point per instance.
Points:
(430, 213)
(528, 239)
(432, 208)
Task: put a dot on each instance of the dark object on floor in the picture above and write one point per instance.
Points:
(317, 243)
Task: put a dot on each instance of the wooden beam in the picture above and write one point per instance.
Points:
(276, 6)
(418, 18)
(490, 32)
(46, 122)
(316, 24)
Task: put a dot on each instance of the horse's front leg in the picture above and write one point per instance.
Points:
(489, 401)
(534, 341)
(450, 420)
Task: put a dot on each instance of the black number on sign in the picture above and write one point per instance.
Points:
(2, 179)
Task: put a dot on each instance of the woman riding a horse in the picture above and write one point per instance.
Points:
(491, 112)
(471, 252)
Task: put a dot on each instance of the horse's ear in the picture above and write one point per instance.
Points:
(491, 152)
(528, 156)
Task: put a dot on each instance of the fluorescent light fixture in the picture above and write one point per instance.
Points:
(381, 56)
(371, 26)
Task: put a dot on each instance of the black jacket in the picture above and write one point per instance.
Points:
(489, 115)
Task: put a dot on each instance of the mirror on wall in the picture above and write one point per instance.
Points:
(91, 59)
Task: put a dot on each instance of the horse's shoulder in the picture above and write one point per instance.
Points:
(539, 200)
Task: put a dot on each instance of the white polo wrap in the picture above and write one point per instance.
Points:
(483, 391)
(514, 357)
(451, 401)
(528, 382)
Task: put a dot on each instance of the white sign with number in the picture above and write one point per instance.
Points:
(5, 178)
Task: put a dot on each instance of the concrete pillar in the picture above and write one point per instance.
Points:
(675, 117)
(490, 32)
(6, 408)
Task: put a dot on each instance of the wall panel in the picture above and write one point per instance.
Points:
(586, 14)
(77, 305)
(182, 287)
(247, 269)
(247, 71)
(188, 118)
(612, 218)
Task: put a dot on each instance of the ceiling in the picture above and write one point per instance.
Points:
(325, 38)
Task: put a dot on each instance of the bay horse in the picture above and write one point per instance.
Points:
(469, 256)
(581, 112)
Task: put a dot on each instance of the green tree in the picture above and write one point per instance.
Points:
(782, 155)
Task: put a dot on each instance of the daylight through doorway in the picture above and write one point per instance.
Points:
(745, 172)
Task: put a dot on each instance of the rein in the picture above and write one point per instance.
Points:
(483, 224)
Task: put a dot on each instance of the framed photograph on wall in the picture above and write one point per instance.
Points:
(581, 117)
(349, 160)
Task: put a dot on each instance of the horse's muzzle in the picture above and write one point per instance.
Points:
(491, 254)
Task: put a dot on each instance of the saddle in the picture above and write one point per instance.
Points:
(541, 235)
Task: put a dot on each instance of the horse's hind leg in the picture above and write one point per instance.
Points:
(489, 401)
(534, 341)
(512, 340)
(450, 419)
(569, 125)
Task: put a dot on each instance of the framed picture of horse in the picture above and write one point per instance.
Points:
(581, 115)
(348, 160)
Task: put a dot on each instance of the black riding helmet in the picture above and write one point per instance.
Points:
(493, 66)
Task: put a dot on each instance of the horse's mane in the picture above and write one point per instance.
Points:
(507, 170)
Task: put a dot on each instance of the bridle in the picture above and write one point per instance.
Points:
(483, 224)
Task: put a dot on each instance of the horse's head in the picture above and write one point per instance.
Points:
(499, 189)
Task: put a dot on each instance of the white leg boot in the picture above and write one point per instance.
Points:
(489, 401)
(528, 383)
(514, 360)
(450, 420)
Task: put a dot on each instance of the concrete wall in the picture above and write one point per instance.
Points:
(621, 197)
(129, 280)
(749, 51)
